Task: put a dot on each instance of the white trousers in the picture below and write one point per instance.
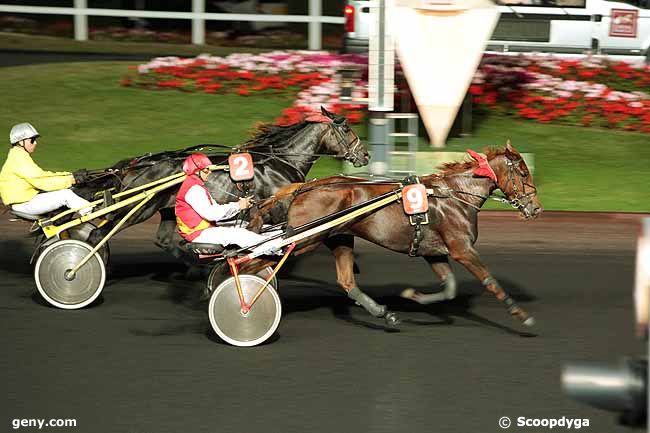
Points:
(230, 236)
(48, 201)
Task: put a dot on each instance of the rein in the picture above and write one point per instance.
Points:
(520, 201)
(278, 157)
(451, 191)
(350, 148)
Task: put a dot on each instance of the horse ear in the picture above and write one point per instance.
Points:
(325, 112)
(510, 151)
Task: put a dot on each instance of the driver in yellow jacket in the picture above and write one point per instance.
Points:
(29, 189)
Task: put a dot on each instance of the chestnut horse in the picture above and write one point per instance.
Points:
(459, 191)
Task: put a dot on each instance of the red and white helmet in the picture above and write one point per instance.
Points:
(196, 162)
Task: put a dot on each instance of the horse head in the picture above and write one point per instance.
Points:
(340, 140)
(516, 181)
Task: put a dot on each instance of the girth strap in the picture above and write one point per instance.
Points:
(417, 221)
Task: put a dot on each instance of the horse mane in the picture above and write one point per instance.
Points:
(269, 135)
(216, 156)
(457, 167)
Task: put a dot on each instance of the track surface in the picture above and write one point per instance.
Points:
(145, 360)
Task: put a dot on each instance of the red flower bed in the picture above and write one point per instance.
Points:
(616, 75)
(565, 91)
(353, 112)
(201, 75)
(222, 79)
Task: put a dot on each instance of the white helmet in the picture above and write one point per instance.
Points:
(22, 131)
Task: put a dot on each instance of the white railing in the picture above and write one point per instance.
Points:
(81, 12)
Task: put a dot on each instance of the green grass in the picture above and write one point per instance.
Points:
(576, 168)
(88, 120)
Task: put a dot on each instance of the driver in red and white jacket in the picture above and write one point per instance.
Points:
(197, 212)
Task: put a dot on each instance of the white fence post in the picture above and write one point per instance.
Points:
(80, 21)
(198, 24)
(198, 17)
(315, 27)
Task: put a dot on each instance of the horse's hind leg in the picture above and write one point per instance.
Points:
(468, 257)
(345, 277)
(439, 265)
(342, 240)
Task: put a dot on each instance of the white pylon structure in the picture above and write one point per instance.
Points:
(440, 44)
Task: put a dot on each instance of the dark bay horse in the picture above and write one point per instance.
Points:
(281, 154)
(459, 191)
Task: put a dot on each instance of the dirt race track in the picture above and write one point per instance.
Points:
(144, 359)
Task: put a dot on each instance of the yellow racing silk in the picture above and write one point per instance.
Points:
(21, 178)
(187, 230)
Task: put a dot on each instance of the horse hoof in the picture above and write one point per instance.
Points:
(391, 319)
(529, 322)
(408, 293)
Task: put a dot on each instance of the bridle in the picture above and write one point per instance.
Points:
(521, 200)
(518, 200)
(351, 146)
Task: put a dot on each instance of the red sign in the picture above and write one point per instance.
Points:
(414, 199)
(241, 167)
(624, 23)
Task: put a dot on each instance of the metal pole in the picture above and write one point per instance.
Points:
(80, 22)
(315, 27)
(381, 52)
(198, 24)
(377, 138)
(380, 86)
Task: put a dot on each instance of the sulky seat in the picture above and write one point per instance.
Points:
(204, 249)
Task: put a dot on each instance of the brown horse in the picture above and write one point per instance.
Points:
(459, 191)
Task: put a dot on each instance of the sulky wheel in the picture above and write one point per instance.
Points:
(217, 275)
(265, 273)
(239, 328)
(56, 285)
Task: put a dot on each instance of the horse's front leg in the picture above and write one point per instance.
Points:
(344, 256)
(166, 229)
(466, 255)
(439, 265)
